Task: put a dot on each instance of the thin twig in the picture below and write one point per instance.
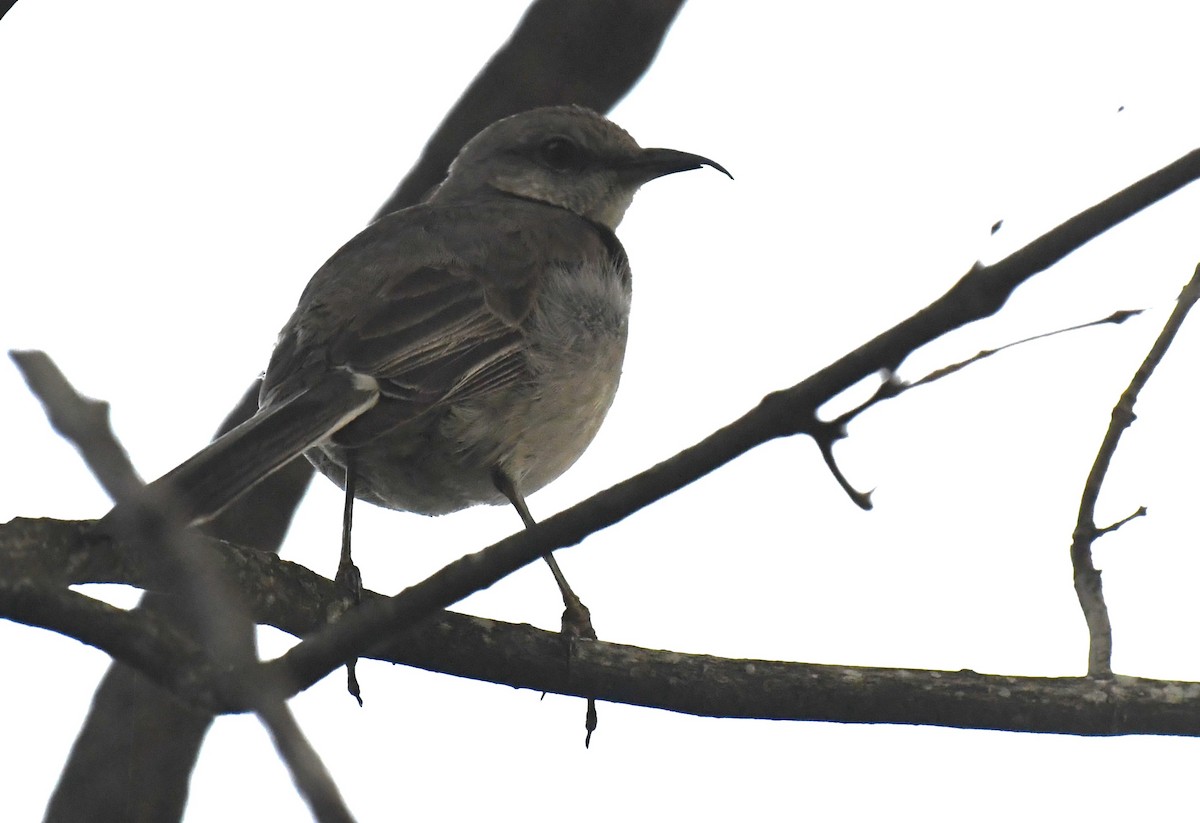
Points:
(1086, 576)
(1141, 512)
(1116, 318)
(893, 386)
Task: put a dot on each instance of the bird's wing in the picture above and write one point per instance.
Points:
(430, 336)
(433, 302)
(425, 306)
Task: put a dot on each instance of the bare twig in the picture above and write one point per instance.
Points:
(1087, 577)
(825, 437)
(893, 386)
(1116, 318)
(1112, 527)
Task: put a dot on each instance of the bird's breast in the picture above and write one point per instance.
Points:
(577, 335)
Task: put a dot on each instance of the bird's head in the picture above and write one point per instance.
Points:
(566, 156)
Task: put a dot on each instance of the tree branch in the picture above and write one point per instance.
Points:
(145, 642)
(1087, 577)
(218, 610)
(293, 599)
(893, 386)
(82, 421)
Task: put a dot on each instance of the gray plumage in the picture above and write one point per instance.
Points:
(475, 336)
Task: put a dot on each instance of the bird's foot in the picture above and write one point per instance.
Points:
(349, 578)
(577, 620)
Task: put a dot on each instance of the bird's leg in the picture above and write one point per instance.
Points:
(348, 575)
(576, 617)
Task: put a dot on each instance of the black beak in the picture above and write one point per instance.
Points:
(652, 163)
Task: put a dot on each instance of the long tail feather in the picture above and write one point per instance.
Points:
(202, 486)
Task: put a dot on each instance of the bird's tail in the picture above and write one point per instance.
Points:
(205, 484)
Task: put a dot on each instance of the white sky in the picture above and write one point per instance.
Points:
(171, 175)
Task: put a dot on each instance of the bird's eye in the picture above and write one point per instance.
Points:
(560, 154)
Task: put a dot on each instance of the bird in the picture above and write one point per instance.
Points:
(461, 351)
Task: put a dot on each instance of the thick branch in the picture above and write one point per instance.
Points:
(145, 642)
(294, 599)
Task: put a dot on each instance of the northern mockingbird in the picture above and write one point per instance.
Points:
(461, 351)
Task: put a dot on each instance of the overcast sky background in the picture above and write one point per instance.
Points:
(172, 174)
